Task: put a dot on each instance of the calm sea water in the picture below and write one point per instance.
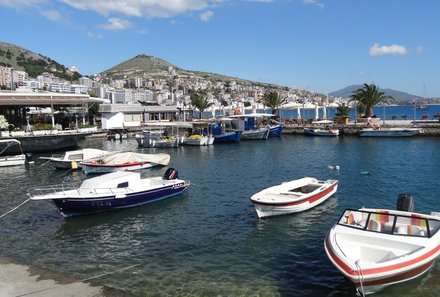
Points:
(209, 241)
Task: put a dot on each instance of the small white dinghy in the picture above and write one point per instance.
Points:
(293, 196)
(375, 248)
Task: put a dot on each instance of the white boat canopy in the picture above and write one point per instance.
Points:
(126, 157)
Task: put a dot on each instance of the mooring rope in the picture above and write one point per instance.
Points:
(361, 280)
(14, 208)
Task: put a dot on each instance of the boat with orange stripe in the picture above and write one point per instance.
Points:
(375, 248)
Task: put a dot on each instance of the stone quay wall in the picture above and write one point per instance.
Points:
(429, 129)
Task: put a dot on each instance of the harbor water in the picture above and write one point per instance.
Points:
(209, 241)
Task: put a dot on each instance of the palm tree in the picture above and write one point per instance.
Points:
(200, 101)
(272, 100)
(367, 97)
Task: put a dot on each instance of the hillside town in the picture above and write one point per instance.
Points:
(157, 96)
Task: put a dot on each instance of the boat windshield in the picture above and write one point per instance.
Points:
(391, 223)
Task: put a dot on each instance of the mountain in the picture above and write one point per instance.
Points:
(34, 64)
(397, 95)
(145, 65)
(139, 66)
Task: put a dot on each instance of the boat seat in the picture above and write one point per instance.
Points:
(373, 225)
(414, 230)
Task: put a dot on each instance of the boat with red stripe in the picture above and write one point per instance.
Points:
(293, 196)
(375, 248)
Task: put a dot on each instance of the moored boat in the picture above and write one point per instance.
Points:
(111, 191)
(276, 130)
(223, 132)
(375, 248)
(293, 196)
(156, 138)
(123, 161)
(198, 135)
(9, 159)
(389, 132)
(72, 159)
(322, 128)
(250, 126)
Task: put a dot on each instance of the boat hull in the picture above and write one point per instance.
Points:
(320, 132)
(146, 141)
(79, 206)
(265, 209)
(65, 164)
(228, 137)
(389, 132)
(15, 160)
(380, 277)
(204, 140)
(276, 130)
(261, 134)
(89, 168)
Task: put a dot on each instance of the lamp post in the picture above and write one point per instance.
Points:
(28, 127)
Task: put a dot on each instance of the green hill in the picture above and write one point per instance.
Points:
(34, 64)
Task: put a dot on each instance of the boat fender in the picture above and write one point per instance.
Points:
(74, 165)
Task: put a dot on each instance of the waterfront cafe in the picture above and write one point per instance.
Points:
(21, 109)
(126, 116)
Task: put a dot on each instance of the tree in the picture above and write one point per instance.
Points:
(367, 97)
(200, 101)
(272, 100)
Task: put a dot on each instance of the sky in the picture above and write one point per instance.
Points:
(317, 45)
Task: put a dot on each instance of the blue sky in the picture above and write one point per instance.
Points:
(318, 45)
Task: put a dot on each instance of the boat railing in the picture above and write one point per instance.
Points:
(52, 189)
(67, 189)
(390, 223)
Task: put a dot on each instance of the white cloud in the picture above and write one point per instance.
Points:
(116, 24)
(314, 2)
(380, 50)
(52, 15)
(94, 36)
(20, 3)
(206, 16)
(140, 8)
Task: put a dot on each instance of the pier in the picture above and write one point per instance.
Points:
(429, 128)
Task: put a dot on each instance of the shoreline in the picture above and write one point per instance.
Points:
(429, 128)
(19, 279)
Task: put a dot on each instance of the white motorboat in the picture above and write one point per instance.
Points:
(293, 196)
(199, 134)
(7, 159)
(110, 191)
(72, 159)
(123, 161)
(389, 132)
(156, 138)
(375, 248)
(316, 131)
(197, 139)
(321, 128)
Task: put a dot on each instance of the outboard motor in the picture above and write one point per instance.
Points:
(405, 202)
(171, 173)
